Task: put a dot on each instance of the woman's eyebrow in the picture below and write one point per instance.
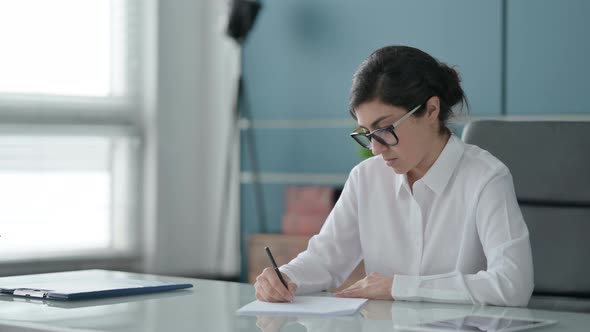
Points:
(376, 122)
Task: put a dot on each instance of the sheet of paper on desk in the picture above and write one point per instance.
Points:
(305, 305)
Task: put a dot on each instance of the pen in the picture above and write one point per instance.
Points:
(275, 267)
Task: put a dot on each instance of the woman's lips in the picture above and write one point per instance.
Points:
(391, 162)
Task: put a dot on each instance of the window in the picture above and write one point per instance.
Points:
(69, 141)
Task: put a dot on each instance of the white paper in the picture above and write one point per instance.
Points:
(305, 305)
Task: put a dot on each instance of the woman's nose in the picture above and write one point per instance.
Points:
(377, 147)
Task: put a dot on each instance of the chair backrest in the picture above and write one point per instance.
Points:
(550, 164)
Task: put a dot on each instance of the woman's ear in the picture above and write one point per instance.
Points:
(432, 109)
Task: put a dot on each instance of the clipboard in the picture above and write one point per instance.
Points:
(83, 285)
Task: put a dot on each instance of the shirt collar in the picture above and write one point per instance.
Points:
(402, 182)
(437, 177)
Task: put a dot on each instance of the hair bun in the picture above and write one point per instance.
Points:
(453, 92)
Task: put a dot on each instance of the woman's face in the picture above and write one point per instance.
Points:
(416, 135)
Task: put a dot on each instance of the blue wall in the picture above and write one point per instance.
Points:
(522, 57)
(548, 52)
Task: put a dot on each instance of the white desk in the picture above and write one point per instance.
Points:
(211, 306)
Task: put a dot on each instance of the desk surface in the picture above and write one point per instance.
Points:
(211, 306)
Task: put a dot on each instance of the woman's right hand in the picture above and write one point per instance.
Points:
(269, 287)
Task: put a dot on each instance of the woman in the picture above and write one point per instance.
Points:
(434, 219)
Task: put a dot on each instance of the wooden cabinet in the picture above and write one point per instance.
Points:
(284, 248)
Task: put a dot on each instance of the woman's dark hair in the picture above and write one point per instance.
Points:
(405, 77)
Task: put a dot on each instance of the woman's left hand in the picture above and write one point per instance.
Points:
(375, 286)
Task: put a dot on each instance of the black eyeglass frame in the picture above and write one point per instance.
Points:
(372, 135)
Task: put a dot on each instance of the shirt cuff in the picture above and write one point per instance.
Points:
(405, 287)
(291, 276)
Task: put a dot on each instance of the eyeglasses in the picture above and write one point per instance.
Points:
(385, 136)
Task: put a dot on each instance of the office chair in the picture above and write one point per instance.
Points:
(550, 164)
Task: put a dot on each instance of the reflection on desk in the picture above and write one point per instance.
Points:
(212, 305)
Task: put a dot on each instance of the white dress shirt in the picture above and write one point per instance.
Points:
(459, 237)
